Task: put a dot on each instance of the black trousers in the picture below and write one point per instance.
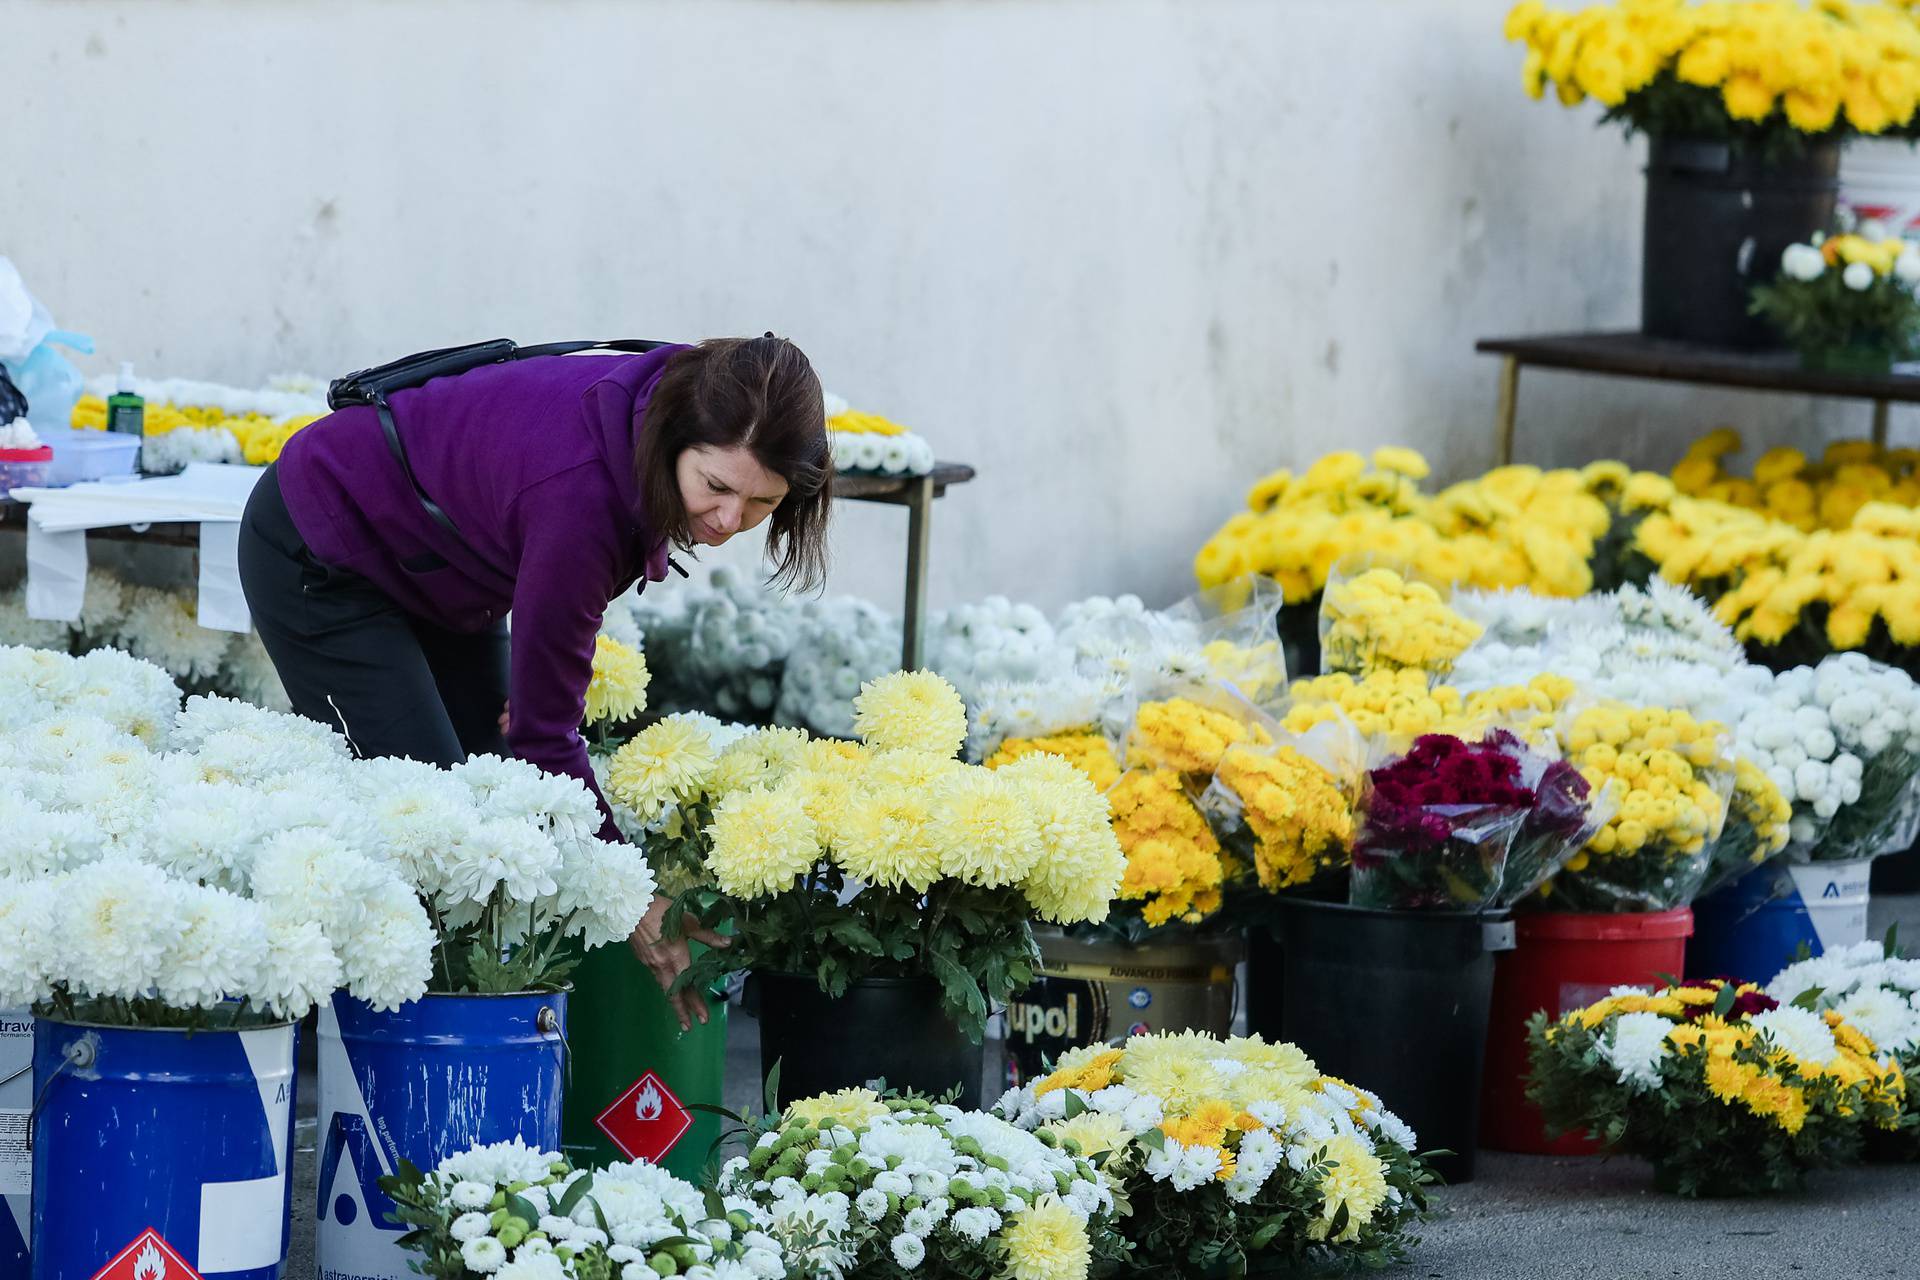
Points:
(351, 659)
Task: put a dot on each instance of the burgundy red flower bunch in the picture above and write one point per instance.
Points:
(1437, 825)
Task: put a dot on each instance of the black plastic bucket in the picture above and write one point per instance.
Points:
(883, 1028)
(1717, 222)
(1396, 1002)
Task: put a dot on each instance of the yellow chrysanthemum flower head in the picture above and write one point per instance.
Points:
(762, 840)
(911, 711)
(618, 689)
(982, 829)
(668, 762)
(855, 1108)
(1047, 1241)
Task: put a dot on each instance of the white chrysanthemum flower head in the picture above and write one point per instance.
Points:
(111, 922)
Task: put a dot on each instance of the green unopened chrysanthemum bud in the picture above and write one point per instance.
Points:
(960, 1188)
(860, 1169)
(996, 1197)
(845, 1155)
(684, 1255)
(512, 1235)
(1048, 1138)
(812, 1183)
(997, 1162)
(498, 1218)
(1062, 1182)
(662, 1265)
(739, 1221)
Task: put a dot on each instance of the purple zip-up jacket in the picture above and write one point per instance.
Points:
(533, 461)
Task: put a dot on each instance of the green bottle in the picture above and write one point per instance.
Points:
(126, 411)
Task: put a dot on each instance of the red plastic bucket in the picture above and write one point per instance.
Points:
(1563, 961)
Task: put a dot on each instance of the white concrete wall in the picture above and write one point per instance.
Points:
(1123, 255)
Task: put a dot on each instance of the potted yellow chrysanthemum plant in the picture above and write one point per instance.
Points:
(881, 892)
(1746, 105)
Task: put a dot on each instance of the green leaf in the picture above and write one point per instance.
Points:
(771, 1097)
(1667, 979)
(522, 1208)
(1809, 999)
(1723, 1003)
(1076, 1105)
(1891, 947)
(716, 1207)
(1153, 1140)
(571, 1200)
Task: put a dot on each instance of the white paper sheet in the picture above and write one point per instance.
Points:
(223, 606)
(56, 574)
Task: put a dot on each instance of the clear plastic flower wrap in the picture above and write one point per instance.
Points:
(1283, 813)
(1672, 777)
(1378, 615)
(1436, 825)
(1875, 713)
(1565, 814)
(1758, 827)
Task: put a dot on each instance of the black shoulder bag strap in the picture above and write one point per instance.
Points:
(370, 387)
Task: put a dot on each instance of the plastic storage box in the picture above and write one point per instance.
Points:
(91, 455)
(24, 468)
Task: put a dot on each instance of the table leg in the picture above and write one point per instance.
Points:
(1509, 403)
(1880, 412)
(914, 618)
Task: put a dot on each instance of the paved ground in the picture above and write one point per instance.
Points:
(1541, 1218)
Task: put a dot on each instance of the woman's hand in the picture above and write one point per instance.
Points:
(667, 958)
(506, 710)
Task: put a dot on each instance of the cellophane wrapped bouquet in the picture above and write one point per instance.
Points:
(1726, 1090)
(856, 1184)
(1384, 619)
(1671, 778)
(1436, 826)
(515, 1212)
(1230, 1156)
(1875, 715)
(886, 857)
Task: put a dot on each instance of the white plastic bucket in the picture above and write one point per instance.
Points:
(1835, 896)
(1880, 180)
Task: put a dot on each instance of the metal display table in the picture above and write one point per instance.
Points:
(915, 493)
(1634, 355)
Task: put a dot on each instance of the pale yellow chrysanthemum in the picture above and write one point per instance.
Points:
(915, 770)
(835, 756)
(911, 711)
(667, 762)
(982, 829)
(1096, 1132)
(762, 758)
(825, 797)
(1047, 1242)
(1357, 1182)
(762, 839)
(1287, 1060)
(883, 838)
(1081, 863)
(618, 690)
(1175, 1069)
(854, 1108)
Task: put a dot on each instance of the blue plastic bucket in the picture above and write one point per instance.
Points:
(1756, 926)
(16, 1174)
(157, 1147)
(436, 1077)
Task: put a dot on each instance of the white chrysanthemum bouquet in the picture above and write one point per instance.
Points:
(205, 880)
(859, 1185)
(1875, 715)
(1232, 1154)
(517, 1213)
(885, 858)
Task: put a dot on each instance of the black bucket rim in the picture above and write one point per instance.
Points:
(1478, 915)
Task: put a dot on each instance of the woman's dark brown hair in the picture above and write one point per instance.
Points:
(760, 393)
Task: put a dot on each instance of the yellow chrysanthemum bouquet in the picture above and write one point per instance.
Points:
(1787, 486)
(1513, 527)
(1752, 70)
(883, 858)
(1726, 1091)
(617, 691)
(1234, 1156)
(1671, 777)
(1383, 619)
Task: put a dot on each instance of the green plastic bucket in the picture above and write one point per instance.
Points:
(635, 1075)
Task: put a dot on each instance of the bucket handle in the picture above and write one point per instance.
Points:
(80, 1054)
(547, 1023)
